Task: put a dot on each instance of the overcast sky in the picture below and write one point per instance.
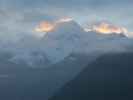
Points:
(83, 11)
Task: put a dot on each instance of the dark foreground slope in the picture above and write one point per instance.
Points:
(110, 77)
(20, 82)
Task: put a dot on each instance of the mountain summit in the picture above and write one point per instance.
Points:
(66, 37)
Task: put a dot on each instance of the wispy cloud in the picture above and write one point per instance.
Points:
(26, 12)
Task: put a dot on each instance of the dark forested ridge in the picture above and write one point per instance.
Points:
(110, 77)
(21, 82)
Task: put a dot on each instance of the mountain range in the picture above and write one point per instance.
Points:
(109, 77)
(33, 68)
(66, 38)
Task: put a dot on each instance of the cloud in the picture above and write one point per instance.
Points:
(31, 11)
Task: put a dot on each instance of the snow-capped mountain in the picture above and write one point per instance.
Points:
(63, 40)
(66, 38)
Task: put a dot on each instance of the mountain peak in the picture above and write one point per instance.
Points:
(107, 28)
(69, 26)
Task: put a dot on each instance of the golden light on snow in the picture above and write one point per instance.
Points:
(102, 27)
(107, 28)
(44, 26)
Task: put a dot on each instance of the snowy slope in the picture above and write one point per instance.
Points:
(66, 38)
(60, 42)
(69, 37)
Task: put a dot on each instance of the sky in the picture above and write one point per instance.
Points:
(20, 15)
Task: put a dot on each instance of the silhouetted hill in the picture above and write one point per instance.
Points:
(21, 82)
(110, 77)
